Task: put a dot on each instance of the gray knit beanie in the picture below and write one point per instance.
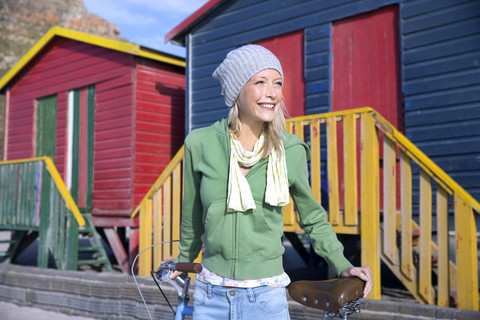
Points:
(240, 65)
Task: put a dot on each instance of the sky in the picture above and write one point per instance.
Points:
(146, 22)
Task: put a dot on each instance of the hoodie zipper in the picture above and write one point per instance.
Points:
(235, 245)
(235, 220)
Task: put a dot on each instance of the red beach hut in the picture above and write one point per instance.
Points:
(109, 113)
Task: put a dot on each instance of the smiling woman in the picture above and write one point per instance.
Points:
(146, 22)
(239, 173)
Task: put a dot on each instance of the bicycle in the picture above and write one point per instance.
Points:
(336, 297)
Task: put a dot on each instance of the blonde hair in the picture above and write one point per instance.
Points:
(273, 131)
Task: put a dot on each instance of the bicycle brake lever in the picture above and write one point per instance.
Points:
(163, 274)
(178, 283)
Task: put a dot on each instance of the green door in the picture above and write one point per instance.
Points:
(46, 127)
(46, 138)
(82, 132)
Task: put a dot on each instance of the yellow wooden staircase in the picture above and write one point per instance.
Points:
(380, 187)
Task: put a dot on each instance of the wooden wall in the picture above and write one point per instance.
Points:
(159, 122)
(441, 84)
(114, 143)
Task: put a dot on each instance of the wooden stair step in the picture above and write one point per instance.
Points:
(99, 254)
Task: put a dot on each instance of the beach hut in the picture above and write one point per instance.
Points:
(110, 114)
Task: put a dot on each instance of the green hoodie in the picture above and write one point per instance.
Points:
(246, 245)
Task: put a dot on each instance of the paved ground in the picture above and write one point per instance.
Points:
(10, 311)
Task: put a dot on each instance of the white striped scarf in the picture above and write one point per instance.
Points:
(239, 193)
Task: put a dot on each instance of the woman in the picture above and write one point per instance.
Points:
(239, 174)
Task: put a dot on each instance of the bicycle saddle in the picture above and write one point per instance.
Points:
(328, 295)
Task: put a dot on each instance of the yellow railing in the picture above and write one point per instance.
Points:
(381, 187)
(162, 208)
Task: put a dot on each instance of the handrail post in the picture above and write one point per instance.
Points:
(350, 170)
(145, 259)
(443, 286)
(315, 162)
(425, 259)
(406, 244)
(42, 257)
(332, 169)
(369, 219)
(466, 255)
(71, 251)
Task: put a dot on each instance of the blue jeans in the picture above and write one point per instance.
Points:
(217, 302)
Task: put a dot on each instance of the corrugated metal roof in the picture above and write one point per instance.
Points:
(90, 39)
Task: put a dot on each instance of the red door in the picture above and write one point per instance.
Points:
(366, 64)
(366, 70)
(289, 50)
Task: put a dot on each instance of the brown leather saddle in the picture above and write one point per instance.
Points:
(327, 295)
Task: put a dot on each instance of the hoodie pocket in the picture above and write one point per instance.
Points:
(219, 230)
(260, 233)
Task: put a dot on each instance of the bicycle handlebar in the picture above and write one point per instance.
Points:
(180, 283)
(169, 266)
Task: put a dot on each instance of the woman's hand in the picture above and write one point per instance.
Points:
(364, 273)
(175, 273)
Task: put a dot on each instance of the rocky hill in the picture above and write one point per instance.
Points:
(24, 22)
